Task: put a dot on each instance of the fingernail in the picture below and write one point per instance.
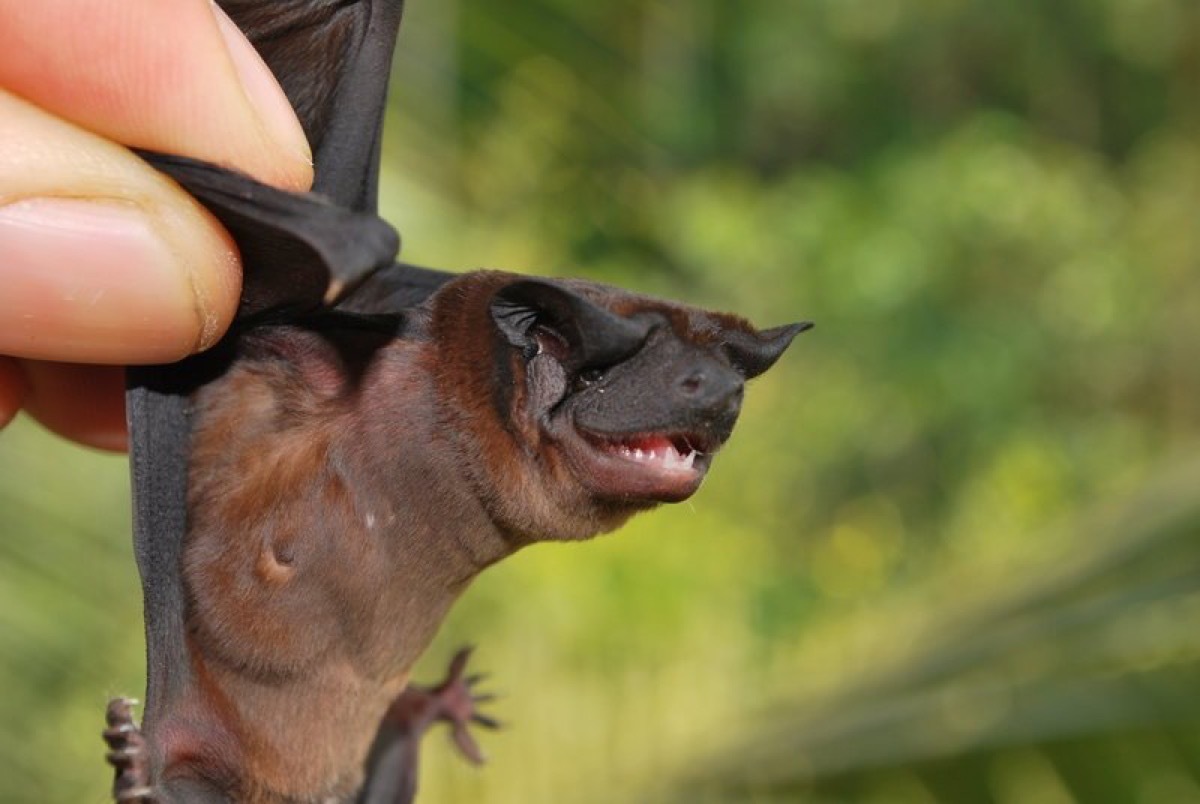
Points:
(92, 282)
(263, 91)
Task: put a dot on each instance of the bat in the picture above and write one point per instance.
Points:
(312, 494)
(350, 473)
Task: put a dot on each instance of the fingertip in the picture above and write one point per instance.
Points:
(281, 128)
(175, 77)
(210, 263)
(106, 260)
(85, 404)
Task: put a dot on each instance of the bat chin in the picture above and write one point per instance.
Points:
(640, 467)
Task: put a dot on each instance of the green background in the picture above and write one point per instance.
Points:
(950, 555)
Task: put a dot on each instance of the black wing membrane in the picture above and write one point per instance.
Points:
(397, 287)
(333, 59)
(298, 250)
(301, 253)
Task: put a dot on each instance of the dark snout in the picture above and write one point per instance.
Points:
(708, 396)
(669, 388)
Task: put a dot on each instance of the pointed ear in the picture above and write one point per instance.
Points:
(754, 353)
(591, 335)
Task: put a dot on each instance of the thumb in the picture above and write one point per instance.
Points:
(166, 76)
(102, 259)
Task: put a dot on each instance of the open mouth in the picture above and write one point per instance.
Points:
(660, 467)
(669, 453)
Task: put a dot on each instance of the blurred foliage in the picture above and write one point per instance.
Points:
(950, 555)
(1058, 676)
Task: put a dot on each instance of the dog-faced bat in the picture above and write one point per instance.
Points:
(337, 506)
(313, 494)
(350, 473)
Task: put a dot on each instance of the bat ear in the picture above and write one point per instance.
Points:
(532, 315)
(753, 353)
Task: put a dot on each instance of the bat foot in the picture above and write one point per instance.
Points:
(457, 703)
(454, 701)
(127, 754)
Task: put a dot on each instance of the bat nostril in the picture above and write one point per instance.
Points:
(692, 384)
(703, 387)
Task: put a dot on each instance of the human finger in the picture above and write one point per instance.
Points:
(81, 402)
(176, 77)
(102, 259)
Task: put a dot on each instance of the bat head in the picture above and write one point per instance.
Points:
(613, 402)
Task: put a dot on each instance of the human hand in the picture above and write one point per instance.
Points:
(104, 261)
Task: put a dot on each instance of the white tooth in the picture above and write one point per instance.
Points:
(637, 454)
(689, 460)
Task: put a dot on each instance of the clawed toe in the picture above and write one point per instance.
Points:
(127, 754)
(456, 703)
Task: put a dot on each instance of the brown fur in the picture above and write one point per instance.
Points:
(335, 515)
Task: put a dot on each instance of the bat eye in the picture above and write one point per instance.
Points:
(590, 376)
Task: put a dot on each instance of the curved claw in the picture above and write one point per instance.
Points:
(485, 721)
(467, 745)
(458, 664)
(456, 704)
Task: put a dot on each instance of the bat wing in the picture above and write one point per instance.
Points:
(300, 251)
(333, 59)
(396, 287)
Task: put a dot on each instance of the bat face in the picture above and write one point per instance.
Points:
(614, 402)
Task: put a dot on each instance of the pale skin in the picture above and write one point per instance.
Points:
(103, 261)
